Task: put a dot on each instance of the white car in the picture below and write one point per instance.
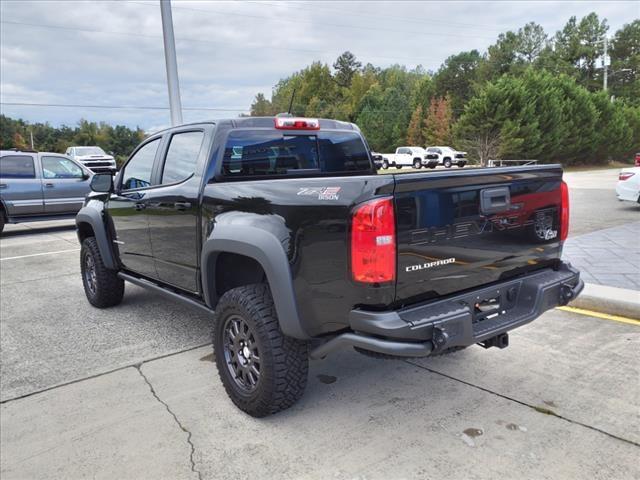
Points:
(94, 158)
(628, 187)
(415, 157)
(448, 156)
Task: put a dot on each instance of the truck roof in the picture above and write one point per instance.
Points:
(266, 122)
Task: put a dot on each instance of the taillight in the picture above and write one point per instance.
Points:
(297, 123)
(625, 175)
(564, 212)
(373, 242)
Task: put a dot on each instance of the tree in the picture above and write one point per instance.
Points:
(625, 63)
(456, 78)
(531, 41)
(261, 107)
(437, 130)
(415, 135)
(19, 142)
(577, 47)
(346, 66)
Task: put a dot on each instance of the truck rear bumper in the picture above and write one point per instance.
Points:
(477, 316)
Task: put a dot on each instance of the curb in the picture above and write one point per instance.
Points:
(611, 300)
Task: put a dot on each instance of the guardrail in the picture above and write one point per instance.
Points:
(502, 163)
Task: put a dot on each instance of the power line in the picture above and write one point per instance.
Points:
(120, 107)
(339, 25)
(195, 40)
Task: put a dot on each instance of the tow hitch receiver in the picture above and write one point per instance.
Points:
(500, 341)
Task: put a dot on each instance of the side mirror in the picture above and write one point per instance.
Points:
(102, 183)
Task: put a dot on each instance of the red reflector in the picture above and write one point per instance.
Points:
(297, 123)
(564, 212)
(373, 242)
(625, 175)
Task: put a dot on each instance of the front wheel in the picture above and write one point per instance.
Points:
(398, 167)
(447, 163)
(102, 286)
(417, 164)
(262, 370)
(385, 164)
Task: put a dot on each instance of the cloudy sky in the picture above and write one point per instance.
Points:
(110, 53)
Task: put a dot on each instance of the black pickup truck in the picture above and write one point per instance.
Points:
(282, 228)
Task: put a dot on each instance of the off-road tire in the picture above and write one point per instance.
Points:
(447, 163)
(284, 361)
(108, 289)
(417, 164)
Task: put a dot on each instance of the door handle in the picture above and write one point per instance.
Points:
(139, 206)
(182, 206)
(48, 185)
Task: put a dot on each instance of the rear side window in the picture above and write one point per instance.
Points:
(137, 172)
(182, 156)
(260, 153)
(17, 166)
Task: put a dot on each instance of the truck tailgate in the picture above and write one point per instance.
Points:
(458, 230)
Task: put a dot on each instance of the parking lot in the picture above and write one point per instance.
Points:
(131, 392)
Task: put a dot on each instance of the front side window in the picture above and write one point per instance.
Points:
(182, 156)
(17, 166)
(58, 167)
(254, 153)
(137, 172)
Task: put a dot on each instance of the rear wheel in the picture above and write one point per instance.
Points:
(447, 163)
(262, 370)
(102, 286)
(417, 164)
(398, 166)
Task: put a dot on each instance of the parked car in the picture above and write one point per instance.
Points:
(281, 228)
(415, 157)
(94, 158)
(447, 156)
(40, 186)
(628, 186)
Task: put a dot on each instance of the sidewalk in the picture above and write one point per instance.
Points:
(607, 257)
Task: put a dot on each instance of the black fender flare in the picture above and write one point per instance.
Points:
(93, 218)
(265, 248)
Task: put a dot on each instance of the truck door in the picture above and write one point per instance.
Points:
(173, 209)
(20, 185)
(127, 208)
(65, 184)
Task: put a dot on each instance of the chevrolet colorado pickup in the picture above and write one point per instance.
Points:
(282, 230)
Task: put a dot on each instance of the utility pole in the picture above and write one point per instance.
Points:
(31, 134)
(172, 65)
(604, 65)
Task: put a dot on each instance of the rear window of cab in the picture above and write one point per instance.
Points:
(274, 153)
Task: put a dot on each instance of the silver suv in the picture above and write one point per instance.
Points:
(40, 186)
(94, 158)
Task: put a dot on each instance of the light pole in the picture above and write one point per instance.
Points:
(172, 65)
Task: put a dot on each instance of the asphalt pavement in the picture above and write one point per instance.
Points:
(131, 392)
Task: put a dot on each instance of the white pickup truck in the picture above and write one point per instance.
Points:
(447, 156)
(416, 157)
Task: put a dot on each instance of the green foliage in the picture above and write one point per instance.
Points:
(549, 118)
(120, 140)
